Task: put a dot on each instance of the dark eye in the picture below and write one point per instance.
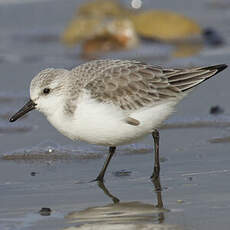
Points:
(46, 91)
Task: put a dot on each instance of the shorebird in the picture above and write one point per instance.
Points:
(112, 102)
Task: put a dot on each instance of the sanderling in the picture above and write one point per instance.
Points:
(112, 102)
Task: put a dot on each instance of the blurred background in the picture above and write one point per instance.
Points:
(53, 33)
(36, 34)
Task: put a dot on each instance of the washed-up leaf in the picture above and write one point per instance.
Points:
(80, 28)
(114, 34)
(102, 8)
(164, 25)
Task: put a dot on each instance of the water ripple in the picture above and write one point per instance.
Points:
(6, 127)
(53, 152)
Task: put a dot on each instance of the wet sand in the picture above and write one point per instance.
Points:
(40, 168)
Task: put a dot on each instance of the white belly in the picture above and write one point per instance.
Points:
(104, 124)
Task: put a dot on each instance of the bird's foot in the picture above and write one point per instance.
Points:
(98, 179)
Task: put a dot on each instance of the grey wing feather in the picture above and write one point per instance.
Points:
(132, 85)
(185, 79)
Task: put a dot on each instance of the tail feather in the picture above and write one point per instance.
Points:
(187, 79)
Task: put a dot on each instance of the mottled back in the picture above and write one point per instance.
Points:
(132, 85)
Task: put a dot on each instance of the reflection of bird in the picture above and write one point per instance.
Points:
(126, 226)
(112, 102)
(123, 215)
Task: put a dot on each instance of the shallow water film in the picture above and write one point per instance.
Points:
(46, 179)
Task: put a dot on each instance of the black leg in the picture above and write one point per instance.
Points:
(100, 176)
(156, 170)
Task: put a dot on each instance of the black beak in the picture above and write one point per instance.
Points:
(30, 105)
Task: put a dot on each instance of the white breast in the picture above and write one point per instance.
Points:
(104, 124)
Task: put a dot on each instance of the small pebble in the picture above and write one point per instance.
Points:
(215, 110)
(122, 173)
(212, 37)
(50, 150)
(180, 201)
(33, 174)
(45, 212)
(163, 159)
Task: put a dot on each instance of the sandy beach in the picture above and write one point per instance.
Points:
(45, 177)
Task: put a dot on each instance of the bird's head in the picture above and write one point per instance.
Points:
(46, 92)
